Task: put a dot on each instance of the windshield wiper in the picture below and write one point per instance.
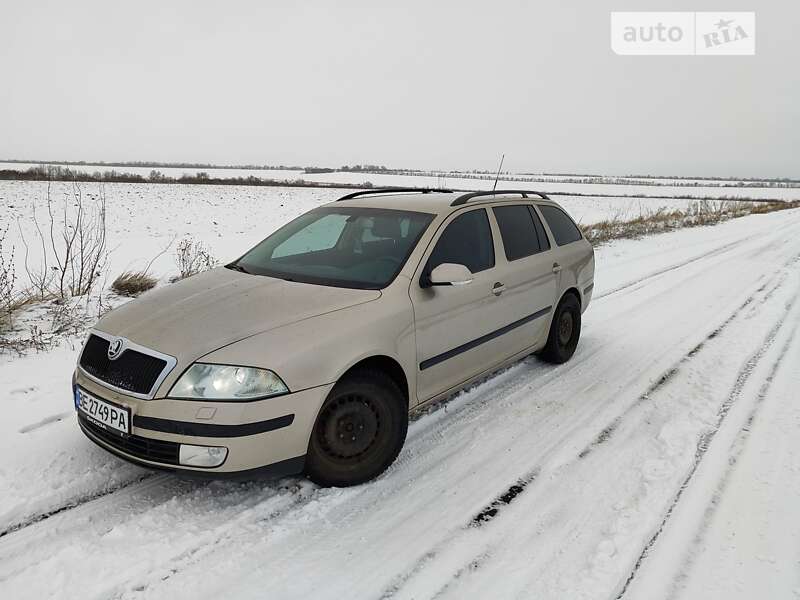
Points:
(237, 267)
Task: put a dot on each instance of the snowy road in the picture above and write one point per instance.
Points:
(661, 462)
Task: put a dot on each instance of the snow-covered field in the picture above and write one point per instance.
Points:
(143, 219)
(661, 462)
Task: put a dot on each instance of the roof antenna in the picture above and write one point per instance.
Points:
(502, 158)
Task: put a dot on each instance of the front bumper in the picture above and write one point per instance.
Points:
(268, 435)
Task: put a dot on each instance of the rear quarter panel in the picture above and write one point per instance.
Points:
(577, 262)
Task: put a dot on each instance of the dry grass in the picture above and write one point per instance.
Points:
(132, 283)
(18, 302)
(20, 346)
(661, 220)
(46, 324)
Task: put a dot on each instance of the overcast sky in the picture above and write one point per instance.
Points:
(403, 83)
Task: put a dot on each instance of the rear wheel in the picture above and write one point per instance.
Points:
(565, 331)
(359, 430)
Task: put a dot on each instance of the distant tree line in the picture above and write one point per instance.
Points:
(364, 168)
(59, 173)
(160, 165)
(113, 175)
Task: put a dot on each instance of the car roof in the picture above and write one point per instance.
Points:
(434, 202)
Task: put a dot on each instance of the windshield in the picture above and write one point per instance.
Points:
(343, 247)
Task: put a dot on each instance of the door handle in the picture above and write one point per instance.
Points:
(556, 268)
(498, 288)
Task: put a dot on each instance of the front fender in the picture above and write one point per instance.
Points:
(319, 350)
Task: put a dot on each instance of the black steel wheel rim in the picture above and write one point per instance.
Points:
(566, 325)
(350, 427)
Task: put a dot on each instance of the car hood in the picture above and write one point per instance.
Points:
(205, 312)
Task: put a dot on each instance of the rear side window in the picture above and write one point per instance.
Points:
(467, 241)
(518, 231)
(564, 230)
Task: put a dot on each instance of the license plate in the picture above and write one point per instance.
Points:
(105, 414)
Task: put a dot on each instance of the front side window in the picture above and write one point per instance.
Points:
(467, 241)
(564, 230)
(520, 238)
(343, 247)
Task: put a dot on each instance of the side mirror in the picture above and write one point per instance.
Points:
(451, 274)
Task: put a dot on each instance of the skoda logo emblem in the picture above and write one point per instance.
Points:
(115, 349)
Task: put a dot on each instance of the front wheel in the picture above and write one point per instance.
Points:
(359, 430)
(565, 330)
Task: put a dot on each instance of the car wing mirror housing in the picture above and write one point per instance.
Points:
(450, 274)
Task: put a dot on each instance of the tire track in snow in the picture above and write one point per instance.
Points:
(486, 514)
(289, 500)
(467, 569)
(43, 516)
(655, 274)
(680, 265)
(504, 499)
(606, 433)
(293, 498)
(705, 440)
(279, 501)
(56, 418)
(738, 447)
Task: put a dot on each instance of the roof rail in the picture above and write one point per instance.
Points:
(393, 190)
(464, 198)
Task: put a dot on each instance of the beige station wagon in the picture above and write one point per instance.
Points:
(307, 353)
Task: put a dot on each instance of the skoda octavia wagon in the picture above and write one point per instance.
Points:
(306, 354)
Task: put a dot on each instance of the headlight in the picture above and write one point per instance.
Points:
(225, 382)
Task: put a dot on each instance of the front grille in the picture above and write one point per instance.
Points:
(140, 447)
(132, 371)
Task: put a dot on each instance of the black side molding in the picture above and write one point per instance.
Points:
(435, 360)
(211, 429)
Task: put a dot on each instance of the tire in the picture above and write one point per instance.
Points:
(367, 407)
(565, 331)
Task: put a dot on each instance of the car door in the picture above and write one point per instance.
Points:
(453, 322)
(525, 272)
